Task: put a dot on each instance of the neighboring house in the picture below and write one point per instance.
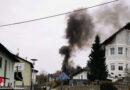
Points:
(26, 74)
(34, 74)
(58, 76)
(81, 74)
(117, 51)
(7, 61)
(80, 77)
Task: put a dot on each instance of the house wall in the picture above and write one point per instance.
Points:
(62, 76)
(10, 69)
(27, 75)
(121, 40)
(82, 75)
(34, 74)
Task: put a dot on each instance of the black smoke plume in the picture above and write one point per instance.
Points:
(79, 29)
(65, 50)
(79, 33)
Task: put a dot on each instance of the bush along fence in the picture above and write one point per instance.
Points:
(101, 86)
(94, 87)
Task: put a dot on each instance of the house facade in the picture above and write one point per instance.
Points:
(58, 76)
(34, 74)
(117, 51)
(81, 75)
(26, 74)
(7, 61)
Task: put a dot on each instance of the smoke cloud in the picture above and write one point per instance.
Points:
(112, 17)
(65, 50)
(79, 29)
(79, 33)
(83, 26)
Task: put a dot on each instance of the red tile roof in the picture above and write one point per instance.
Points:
(57, 74)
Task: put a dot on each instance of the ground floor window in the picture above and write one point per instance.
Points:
(112, 67)
(120, 68)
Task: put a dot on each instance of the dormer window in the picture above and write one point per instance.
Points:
(112, 51)
(120, 50)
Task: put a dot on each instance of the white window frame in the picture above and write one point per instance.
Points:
(129, 37)
(127, 52)
(112, 67)
(112, 51)
(120, 68)
(120, 50)
(81, 76)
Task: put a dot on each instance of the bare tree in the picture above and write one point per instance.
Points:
(42, 78)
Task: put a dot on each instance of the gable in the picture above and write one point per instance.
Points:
(7, 53)
(83, 72)
(24, 61)
(112, 37)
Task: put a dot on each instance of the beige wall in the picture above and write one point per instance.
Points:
(27, 74)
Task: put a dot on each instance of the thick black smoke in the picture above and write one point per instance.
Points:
(79, 33)
(66, 51)
(79, 29)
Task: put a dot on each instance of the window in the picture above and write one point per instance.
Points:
(120, 50)
(81, 76)
(112, 73)
(112, 51)
(129, 37)
(119, 75)
(112, 67)
(127, 52)
(0, 62)
(9, 66)
(120, 68)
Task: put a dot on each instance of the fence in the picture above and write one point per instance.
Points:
(91, 87)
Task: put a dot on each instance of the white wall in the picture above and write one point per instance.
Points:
(121, 40)
(82, 75)
(9, 70)
(34, 77)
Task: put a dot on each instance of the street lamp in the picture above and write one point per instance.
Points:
(33, 60)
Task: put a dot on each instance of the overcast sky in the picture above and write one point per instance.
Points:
(40, 39)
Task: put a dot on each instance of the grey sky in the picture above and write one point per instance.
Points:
(40, 39)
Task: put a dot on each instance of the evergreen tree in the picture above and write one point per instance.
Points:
(96, 63)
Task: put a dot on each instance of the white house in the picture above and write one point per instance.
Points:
(7, 61)
(34, 74)
(82, 75)
(117, 51)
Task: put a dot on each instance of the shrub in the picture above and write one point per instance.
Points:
(107, 85)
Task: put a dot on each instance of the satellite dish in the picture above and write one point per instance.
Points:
(34, 61)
